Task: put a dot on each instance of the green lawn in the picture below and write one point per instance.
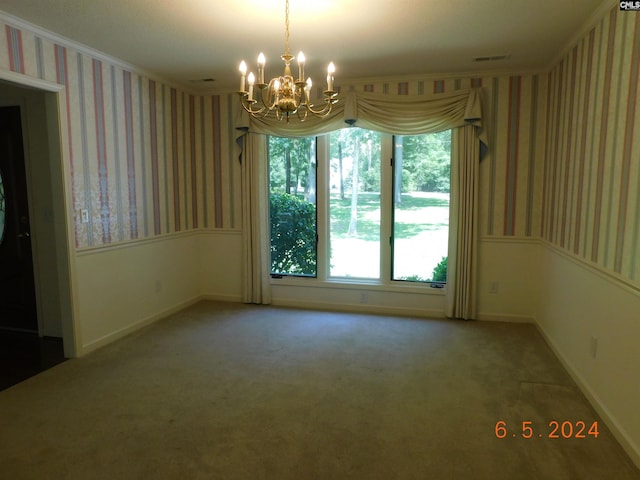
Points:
(421, 235)
(412, 218)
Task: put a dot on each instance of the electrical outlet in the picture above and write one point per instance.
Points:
(84, 214)
(364, 297)
(494, 287)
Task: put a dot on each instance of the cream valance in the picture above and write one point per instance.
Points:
(395, 114)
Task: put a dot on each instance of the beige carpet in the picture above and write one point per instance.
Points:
(227, 391)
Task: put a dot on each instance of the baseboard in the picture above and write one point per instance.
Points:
(618, 432)
(222, 298)
(502, 317)
(123, 332)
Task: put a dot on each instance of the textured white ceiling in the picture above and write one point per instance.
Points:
(184, 40)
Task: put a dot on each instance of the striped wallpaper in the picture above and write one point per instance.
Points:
(592, 169)
(511, 172)
(145, 158)
(149, 159)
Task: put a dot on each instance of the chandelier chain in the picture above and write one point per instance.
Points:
(286, 31)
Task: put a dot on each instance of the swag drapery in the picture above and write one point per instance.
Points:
(460, 111)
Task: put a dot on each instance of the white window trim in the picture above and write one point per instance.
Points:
(323, 279)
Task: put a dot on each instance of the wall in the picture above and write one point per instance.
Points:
(128, 286)
(219, 265)
(144, 160)
(591, 219)
(510, 205)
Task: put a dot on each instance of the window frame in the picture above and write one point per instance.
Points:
(268, 159)
(385, 282)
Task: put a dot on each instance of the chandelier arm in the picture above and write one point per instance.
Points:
(322, 112)
(306, 112)
(251, 111)
(269, 91)
(263, 112)
(249, 108)
(247, 105)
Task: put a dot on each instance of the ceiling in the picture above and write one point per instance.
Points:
(186, 41)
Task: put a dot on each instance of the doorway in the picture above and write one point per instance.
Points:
(18, 311)
(23, 351)
(36, 321)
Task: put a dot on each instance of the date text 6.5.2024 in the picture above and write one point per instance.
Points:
(554, 429)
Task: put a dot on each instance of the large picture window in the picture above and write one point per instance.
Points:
(361, 206)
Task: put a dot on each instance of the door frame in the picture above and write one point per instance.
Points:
(59, 175)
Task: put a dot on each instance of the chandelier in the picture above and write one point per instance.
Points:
(284, 96)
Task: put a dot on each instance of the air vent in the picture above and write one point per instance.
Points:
(491, 58)
(203, 80)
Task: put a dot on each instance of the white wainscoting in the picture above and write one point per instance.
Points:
(220, 265)
(124, 287)
(578, 302)
(508, 279)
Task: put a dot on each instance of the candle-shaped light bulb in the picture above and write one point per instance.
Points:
(251, 79)
(301, 67)
(261, 63)
(330, 71)
(307, 88)
(243, 72)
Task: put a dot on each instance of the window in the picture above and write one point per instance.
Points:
(421, 186)
(371, 208)
(292, 206)
(354, 203)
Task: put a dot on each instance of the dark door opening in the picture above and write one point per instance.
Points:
(23, 352)
(17, 287)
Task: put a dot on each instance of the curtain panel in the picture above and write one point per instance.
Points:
(394, 114)
(463, 225)
(256, 266)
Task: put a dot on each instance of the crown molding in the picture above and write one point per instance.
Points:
(86, 50)
(589, 24)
